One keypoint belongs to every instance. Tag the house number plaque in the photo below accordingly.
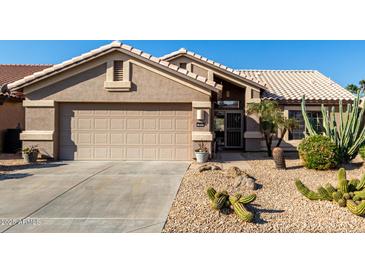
(200, 124)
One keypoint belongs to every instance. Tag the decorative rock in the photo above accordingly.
(233, 171)
(208, 168)
(245, 182)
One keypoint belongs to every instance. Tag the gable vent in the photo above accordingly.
(118, 71)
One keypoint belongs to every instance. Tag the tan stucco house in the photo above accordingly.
(119, 103)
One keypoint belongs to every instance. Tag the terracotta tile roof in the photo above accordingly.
(293, 84)
(12, 72)
(228, 70)
(104, 49)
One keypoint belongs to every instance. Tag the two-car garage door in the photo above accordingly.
(97, 131)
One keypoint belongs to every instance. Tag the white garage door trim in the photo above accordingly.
(123, 131)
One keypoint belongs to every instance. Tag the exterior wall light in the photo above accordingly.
(200, 115)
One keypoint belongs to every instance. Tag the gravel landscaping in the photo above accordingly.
(14, 162)
(279, 207)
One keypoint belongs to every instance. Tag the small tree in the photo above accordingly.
(271, 121)
(355, 89)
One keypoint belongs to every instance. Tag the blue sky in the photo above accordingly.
(342, 61)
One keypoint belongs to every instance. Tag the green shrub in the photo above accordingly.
(318, 152)
(362, 152)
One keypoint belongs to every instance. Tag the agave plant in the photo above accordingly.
(349, 135)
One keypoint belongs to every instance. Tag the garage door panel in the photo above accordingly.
(101, 139)
(133, 123)
(117, 123)
(166, 124)
(84, 124)
(149, 154)
(101, 123)
(125, 131)
(133, 153)
(117, 138)
(150, 124)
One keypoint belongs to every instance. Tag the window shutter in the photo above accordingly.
(118, 71)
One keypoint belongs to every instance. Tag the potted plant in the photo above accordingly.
(30, 154)
(201, 153)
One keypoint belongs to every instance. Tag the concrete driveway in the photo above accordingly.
(89, 197)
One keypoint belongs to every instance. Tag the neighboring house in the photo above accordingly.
(11, 109)
(119, 103)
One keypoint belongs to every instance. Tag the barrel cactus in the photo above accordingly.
(279, 159)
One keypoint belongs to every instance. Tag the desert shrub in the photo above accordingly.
(318, 152)
(362, 152)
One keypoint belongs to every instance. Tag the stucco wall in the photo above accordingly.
(147, 86)
(85, 83)
(11, 114)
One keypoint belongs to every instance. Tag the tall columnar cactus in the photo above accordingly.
(240, 209)
(341, 174)
(349, 135)
(343, 186)
(356, 209)
(311, 195)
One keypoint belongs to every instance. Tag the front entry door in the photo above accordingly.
(233, 129)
